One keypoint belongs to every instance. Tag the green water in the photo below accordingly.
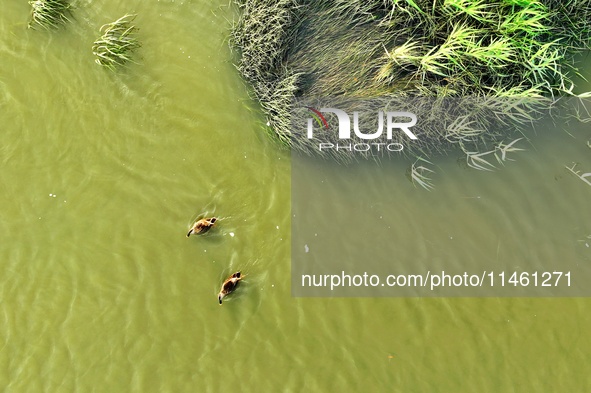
(100, 290)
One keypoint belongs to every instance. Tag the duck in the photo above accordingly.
(201, 226)
(229, 285)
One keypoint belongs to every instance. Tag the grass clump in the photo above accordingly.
(49, 13)
(116, 43)
(263, 34)
(508, 56)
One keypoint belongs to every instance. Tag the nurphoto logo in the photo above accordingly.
(394, 121)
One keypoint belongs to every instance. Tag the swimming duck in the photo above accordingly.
(229, 285)
(202, 226)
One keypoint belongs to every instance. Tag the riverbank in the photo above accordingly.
(509, 56)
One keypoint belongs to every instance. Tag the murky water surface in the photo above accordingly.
(101, 291)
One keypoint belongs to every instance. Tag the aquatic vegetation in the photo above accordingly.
(49, 13)
(418, 174)
(116, 43)
(263, 34)
(586, 177)
(508, 56)
(501, 150)
(477, 160)
(201, 226)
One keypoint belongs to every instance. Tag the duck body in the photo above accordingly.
(201, 226)
(229, 285)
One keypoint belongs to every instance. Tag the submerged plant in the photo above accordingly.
(49, 13)
(480, 160)
(586, 177)
(419, 174)
(476, 160)
(501, 150)
(116, 43)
